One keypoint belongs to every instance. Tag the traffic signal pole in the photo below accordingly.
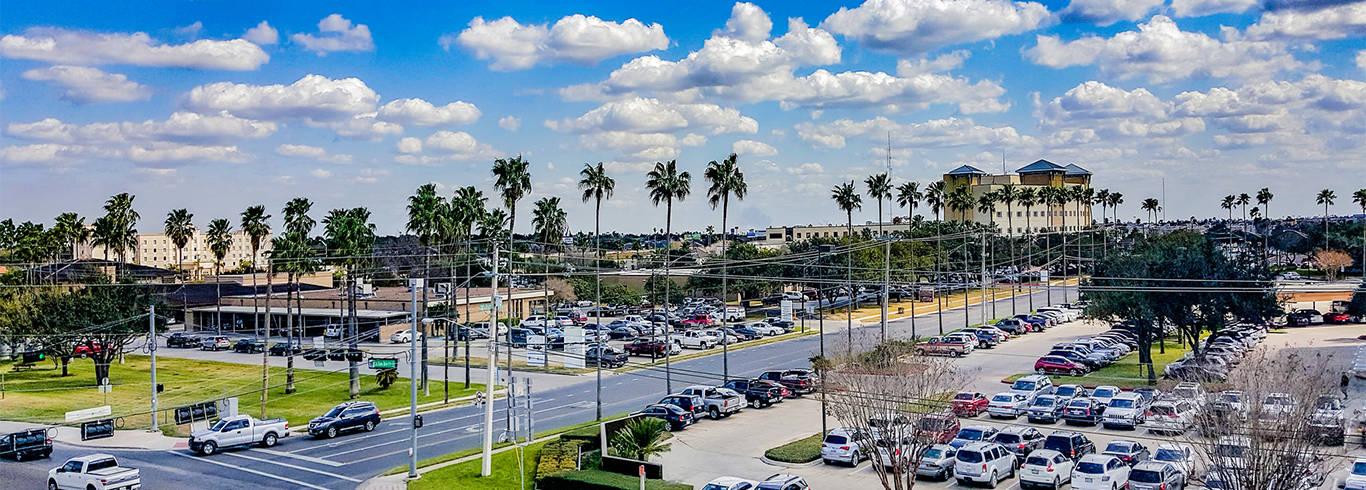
(152, 349)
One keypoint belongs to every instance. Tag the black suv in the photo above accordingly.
(677, 418)
(757, 395)
(285, 349)
(346, 417)
(248, 346)
(1071, 444)
(182, 340)
(1019, 440)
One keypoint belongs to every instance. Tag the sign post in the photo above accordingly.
(98, 429)
(535, 350)
(786, 309)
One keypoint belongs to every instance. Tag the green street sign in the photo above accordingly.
(381, 364)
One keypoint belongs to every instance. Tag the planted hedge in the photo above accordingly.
(602, 480)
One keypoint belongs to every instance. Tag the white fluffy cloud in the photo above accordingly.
(362, 126)
(446, 146)
(747, 22)
(262, 34)
(1331, 23)
(86, 85)
(319, 173)
(751, 147)
(410, 145)
(938, 133)
(419, 112)
(1162, 52)
(913, 27)
(1197, 8)
(61, 46)
(643, 115)
(313, 97)
(52, 154)
(160, 154)
(180, 128)
(336, 33)
(575, 39)
(1095, 108)
(313, 152)
(510, 123)
(1107, 12)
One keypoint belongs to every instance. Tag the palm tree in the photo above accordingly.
(494, 224)
(1264, 198)
(256, 227)
(219, 239)
(936, 198)
(1326, 198)
(1243, 200)
(465, 211)
(121, 218)
(103, 235)
(1083, 196)
(513, 182)
(597, 185)
(1103, 199)
(1115, 200)
(350, 236)
(298, 260)
(1028, 197)
(549, 221)
(179, 228)
(424, 208)
(70, 230)
(667, 184)
(1008, 194)
(961, 200)
(726, 180)
(1359, 197)
(847, 199)
(1151, 206)
(1228, 203)
(879, 187)
(641, 438)
(908, 195)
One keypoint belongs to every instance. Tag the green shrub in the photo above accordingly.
(602, 480)
(592, 460)
(557, 456)
(800, 451)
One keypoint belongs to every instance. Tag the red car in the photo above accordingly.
(938, 428)
(1058, 365)
(1337, 318)
(699, 321)
(83, 350)
(969, 403)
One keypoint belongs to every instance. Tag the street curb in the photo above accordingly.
(789, 465)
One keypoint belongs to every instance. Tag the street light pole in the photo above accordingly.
(152, 349)
(486, 466)
(415, 285)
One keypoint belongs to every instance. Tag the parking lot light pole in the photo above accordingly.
(486, 465)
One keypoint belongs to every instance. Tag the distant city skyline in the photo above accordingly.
(215, 106)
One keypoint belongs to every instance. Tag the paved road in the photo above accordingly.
(301, 462)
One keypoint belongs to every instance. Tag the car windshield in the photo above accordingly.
(1146, 476)
(1279, 400)
(1066, 391)
(1103, 393)
(963, 396)
(1117, 447)
(934, 454)
(933, 424)
(1170, 455)
(335, 411)
(1007, 438)
(1185, 392)
(1359, 468)
(1163, 410)
(970, 434)
(834, 439)
(969, 456)
(1121, 403)
(1229, 451)
(713, 486)
(1231, 397)
(1043, 402)
(1023, 386)
(1003, 398)
(1090, 468)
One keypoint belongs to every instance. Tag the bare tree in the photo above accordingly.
(895, 400)
(1331, 262)
(1273, 436)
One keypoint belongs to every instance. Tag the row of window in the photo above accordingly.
(1040, 214)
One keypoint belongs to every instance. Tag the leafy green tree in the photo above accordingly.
(641, 438)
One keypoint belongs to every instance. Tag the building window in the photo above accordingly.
(998, 214)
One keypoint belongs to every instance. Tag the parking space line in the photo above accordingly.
(333, 464)
(249, 470)
(300, 468)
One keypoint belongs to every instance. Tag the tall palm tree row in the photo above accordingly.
(666, 184)
(879, 188)
(298, 259)
(1151, 206)
(1243, 200)
(69, 229)
(1114, 201)
(726, 180)
(550, 221)
(936, 198)
(424, 212)
(350, 238)
(120, 219)
(179, 228)
(597, 186)
(1264, 198)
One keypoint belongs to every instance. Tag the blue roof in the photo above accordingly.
(967, 170)
(1073, 169)
(1041, 166)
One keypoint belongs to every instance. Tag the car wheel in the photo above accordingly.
(756, 404)
(920, 352)
(669, 427)
(331, 432)
(52, 485)
(1056, 483)
(209, 448)
(269, 440)
(955, 353)
(1074, 373)
(994, 480)
(369, 425)
(948, 473)
(854, 460)
(1041, 371)
(715, 414)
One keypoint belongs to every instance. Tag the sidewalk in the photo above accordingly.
(122, 439)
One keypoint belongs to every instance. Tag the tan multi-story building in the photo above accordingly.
(158, 250)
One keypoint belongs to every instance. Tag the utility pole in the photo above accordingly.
(887, 253)
(152, 348)
(415, 285)
(984, 281)
(265, 351)
(486, 466)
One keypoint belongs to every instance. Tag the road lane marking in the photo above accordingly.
(249, 470)
(300, 468)
(333, 464)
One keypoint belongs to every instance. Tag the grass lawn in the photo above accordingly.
(1126, 373)
(465, 476)
(458, 362)
(799, 451)
(42, 395)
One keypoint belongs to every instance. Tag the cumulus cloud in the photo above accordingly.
(751, 147)
(171, 154)
(1198, 8)
(313, 97)
(336, 33)
(806, 169)
(1162, 52)
(190, 31)
(52, 154)
(938, 133)
(445, 146)
(747, 22)
(370, 175)
(510, 123)
(1361, 59)
(575, 39)
(319, 173)
(262, 34)
(419, 112)
(1331, 23)
(1113, 112)
(181, 128)
(362, 126)
(410, 145)
(60, 46)
(913, 27)
(643, 115)
(313, 152)
(85, 85)
(1107, 12)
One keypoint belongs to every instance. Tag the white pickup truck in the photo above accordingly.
(720, 402)
(695, 339)
(96, 471)
(241, 430)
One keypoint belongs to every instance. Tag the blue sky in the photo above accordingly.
(201, 105)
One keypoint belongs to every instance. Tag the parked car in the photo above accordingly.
(939, 428)
(26, 444)
(1071, 444)
(987, 337)
(1046, 409)
(248, 346)
(1130, 452)
(604, 355)
(719, 402)
(677, 418)
(1032, 385)
(1337, 318)
(938, 462)
(844, 446)
(216, 343)
(1181, 456)
(1314, 317)
(182, 340)
(1045, 468)
(1086, 411)
(783, 482)
(969, 403)
(285, 349)
(798, 381)
(1071, 391)
(757, 395)
(404, 336)
(943, 346)
(1156, 475)
(1013, 326)
(652, 348)
(240, 430)
(1059, 365)
(691, 403)
(1103, 394)
(346, 417)
(695, 339)
(1356, 477)
(1170, 416)
(1020, 440)
(1007, 405)
(730, 483)
(984, 462)
(1126, 410)
(1100, 472)
(973, 433)
(93, 472)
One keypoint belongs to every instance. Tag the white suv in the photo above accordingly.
(1100, 472)
(1033, 385)
(843, 446)
(1045, 468)
(983, 462)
